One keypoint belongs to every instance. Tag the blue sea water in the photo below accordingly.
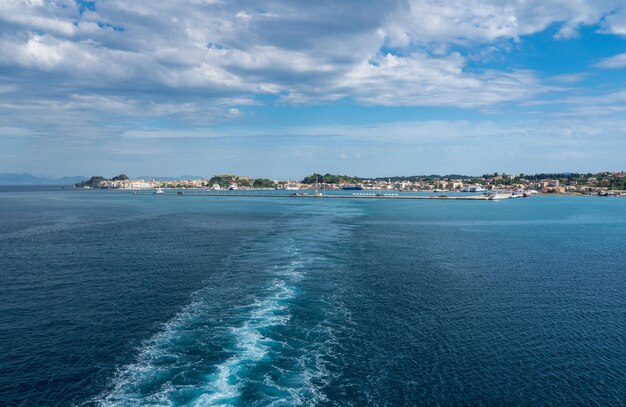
(113, 299)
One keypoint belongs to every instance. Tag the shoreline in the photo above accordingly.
(342, 196)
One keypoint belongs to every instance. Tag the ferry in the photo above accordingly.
(473, 189)
(352, 188)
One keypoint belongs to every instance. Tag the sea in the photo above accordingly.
(113, 299)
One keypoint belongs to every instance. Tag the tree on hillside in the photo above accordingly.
(243, 182)
(330, 179)
(263, 183)
(93, 182)
(121, 177)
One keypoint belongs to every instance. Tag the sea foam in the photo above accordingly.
(247, 341)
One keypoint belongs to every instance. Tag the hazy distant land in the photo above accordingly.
(29, 179)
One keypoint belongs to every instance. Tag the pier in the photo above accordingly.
(332, 196)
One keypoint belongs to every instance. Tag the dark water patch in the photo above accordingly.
(497, 315)
(116, 299)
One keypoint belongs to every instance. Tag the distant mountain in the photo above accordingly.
(29, 179)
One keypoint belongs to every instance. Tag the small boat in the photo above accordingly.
(159, 191)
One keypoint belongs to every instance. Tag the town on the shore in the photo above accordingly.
(603, 184)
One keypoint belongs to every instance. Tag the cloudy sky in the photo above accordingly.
(282, 89)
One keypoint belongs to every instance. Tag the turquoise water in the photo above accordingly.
(107, 298)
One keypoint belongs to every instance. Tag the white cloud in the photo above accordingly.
(95, 74)
(591, 106)
(614, 62)
(615, 22)
(77, 60)
(569, 78)
(420, 80)
(243, 15)
(54, 17)
(463, 21)
(234, 50)
(424, 132)
(7, 131)
(8, 88)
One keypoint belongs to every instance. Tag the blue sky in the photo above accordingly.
(369, 88)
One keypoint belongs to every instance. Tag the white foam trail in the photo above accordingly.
(146, 369)
(251, 346)
(152, 379)
(223, 387)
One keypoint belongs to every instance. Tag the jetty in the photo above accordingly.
(304, 195)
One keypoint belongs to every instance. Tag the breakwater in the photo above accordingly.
(332, 196)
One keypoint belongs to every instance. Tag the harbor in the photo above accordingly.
(314, 195)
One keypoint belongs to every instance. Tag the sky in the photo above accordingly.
(281, 89)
